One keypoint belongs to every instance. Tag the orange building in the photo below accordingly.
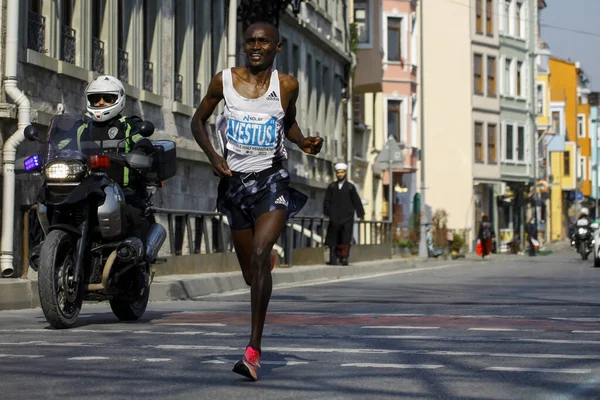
(570, 110)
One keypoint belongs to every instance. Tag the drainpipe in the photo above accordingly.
(232, 33)
(10, 147)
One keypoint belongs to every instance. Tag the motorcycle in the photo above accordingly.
(87, 253)
(584, 240)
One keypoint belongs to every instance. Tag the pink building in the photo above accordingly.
(385, 101)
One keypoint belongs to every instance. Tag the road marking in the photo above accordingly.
(494, 329)
(157, 359)
(552, 370)
(263, 362)
(90, 358)
(191, 324)
(398, 366)
(585, 331)
(20, 356)
(59, 344)
(384, 351)
(400, 327)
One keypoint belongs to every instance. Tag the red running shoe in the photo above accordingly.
(249, 365)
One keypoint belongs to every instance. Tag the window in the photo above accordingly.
(477, 74)
(179, 68)
(394, 108)
(489, 17)
(556, 121)
(491, 143)
(491, 76)
(361, 18)
(509, 155)
(97, 49)
(567, 163)
(581, 131)
(478, 142)
(507, 77)
(394, 39)
(521, 143)
(505, 13)
(283, 57)
(295, 60)
(581, 170)
(539, 98)
(67, 37)
(519, 79)
(517, 23)
(479, 16)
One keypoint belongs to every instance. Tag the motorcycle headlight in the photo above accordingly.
(582, 231)
(64, 171)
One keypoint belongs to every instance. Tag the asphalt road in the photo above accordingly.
(513, 327)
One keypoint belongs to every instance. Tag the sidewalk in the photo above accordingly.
(22, 293)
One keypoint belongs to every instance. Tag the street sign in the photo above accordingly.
(391, 150)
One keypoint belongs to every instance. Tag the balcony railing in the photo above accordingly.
(68, 44)
(197, 94)
(178, 88)
(98, 55)
(36, 32)
(123, 66)
(148, 76)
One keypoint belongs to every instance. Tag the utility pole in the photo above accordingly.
(423, 253)
(390, 183)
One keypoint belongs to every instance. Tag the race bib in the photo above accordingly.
(252, 134)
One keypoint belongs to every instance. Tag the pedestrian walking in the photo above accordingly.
(341, 203)
(485, 236)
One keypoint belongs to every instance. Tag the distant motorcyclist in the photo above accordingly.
(582, 221)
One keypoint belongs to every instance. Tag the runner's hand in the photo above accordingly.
(311, 145)
(220, 167)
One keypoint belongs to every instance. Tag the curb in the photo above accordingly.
(16, 294)
(189, 287)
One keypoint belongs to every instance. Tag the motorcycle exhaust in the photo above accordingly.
(130, 250)
(154, 241)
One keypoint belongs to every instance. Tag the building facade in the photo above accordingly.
(485, 106)
(448, 119)
(166, 52)
(517, 23)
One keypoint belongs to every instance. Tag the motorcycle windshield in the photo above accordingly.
(67, 139)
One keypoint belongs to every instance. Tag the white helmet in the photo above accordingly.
(105, 85)
(585, 211)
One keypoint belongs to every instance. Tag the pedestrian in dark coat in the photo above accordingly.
(341, 203)
(485, 236)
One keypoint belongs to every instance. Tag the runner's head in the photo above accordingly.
(261, 45)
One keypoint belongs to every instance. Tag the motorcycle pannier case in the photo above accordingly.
(163, 166)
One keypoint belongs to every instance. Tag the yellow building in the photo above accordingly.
(568, 122)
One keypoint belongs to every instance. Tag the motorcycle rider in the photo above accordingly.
(104, 129)
(582, 220)
(105, 100)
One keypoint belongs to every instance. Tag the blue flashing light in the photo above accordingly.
(32, 163)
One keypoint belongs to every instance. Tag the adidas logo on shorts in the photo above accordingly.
(273, 96)
(281, 200)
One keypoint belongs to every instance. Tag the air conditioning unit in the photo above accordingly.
(502, 189)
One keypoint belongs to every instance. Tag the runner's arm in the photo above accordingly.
(207, 106)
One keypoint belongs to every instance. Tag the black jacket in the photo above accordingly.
(341, 204)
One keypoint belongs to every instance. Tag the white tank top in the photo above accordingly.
(251, 130)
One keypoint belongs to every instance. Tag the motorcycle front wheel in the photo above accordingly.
(583, 250)
(131, 307)
(60, 297)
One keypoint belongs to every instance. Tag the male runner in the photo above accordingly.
(254, 192)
